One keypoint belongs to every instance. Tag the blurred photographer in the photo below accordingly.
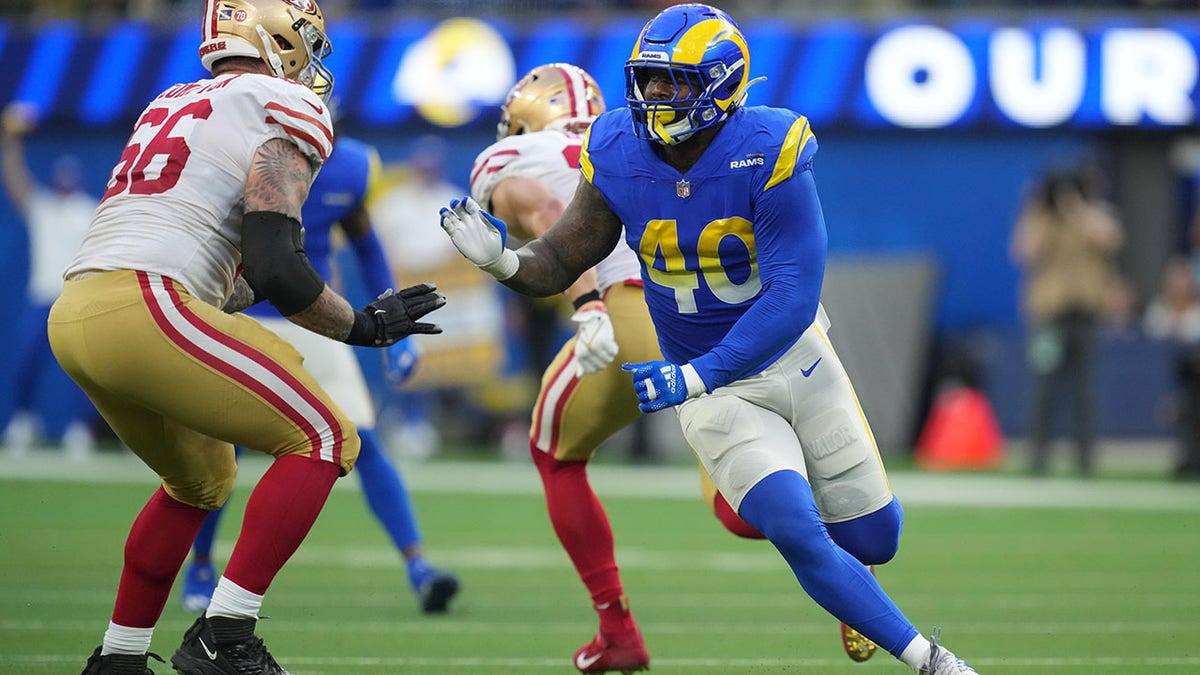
(1065, 242)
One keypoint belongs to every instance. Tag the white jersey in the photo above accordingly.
(552, 158)
(174, 200)
(57, 223)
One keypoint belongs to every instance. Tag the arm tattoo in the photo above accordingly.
(280, 176)
(330, 315)
(586, 232)
(241, 298)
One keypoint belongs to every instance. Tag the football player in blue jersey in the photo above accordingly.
(719, 201)
(338, 197)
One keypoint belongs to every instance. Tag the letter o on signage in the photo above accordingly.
(920, 77)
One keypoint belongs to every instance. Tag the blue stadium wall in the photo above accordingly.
(938, 170)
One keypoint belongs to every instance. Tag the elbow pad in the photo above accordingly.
(274, 263)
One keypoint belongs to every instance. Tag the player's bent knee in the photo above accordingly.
(781, 507)
(731, 520)
(874, 538)
(338, 443)
(209, 494)
(351, 446)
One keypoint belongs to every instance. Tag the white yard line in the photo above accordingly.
(913, 487)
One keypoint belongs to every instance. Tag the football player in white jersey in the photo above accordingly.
(201, 213)
(526, 178)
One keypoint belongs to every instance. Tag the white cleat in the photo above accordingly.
(942, 661)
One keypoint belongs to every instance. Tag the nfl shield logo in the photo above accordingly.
(683, 189)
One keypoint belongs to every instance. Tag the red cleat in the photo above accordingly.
(605, 653)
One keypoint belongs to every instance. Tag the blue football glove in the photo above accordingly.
(400, 362)
(661, 384)
(480, 237)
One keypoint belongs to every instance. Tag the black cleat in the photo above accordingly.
(118, 664)
(437, 591)
(201, 655)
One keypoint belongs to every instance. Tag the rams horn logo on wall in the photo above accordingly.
(306, 6)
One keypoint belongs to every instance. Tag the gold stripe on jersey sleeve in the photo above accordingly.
(585, 159)
(793, 145)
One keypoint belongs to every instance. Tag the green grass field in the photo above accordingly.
(1102, 578)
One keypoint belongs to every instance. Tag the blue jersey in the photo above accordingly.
(733, 251)
(339, 188)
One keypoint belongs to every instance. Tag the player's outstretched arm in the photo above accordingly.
(401, 358)
(586, 232)
(16, 120)
(275, 267)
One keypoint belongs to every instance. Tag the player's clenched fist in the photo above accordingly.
(480, 237)
(595, 344)
(662, 384)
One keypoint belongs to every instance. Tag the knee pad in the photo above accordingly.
(872, 539)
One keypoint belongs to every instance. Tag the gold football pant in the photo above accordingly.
(575, 414)
(181, 382)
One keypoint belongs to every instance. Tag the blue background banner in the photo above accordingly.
(901, 74)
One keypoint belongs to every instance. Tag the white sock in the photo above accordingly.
(126, 640)
(916, 654)
(234, 601)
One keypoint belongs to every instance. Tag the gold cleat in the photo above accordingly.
(857, 646)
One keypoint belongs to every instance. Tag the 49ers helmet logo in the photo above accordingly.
(306, 6)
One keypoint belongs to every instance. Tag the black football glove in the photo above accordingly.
(394, 316)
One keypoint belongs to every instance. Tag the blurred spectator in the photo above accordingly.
(1065, 242)
(406, 219)
(57, 217)
(1175, 315)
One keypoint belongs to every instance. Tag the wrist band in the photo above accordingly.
(591, 296)
(503, 267)
(362, 333)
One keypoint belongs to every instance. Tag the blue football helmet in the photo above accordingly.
(702, 52)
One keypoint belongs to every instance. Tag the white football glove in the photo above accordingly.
(480, 237)
(595, 346)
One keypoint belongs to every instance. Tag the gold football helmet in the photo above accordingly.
(288, 35)
(551, 96)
